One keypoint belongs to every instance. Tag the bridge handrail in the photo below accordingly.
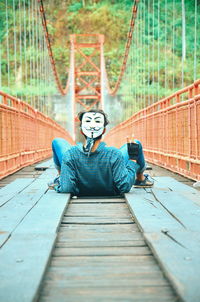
(193, 91)
(25, 134)
(16, 104)
(169, 131)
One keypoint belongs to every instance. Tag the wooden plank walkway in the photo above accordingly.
(169, 217)
(101, 255)
(101, 252)
(28, 230)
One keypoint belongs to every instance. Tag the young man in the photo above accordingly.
(92, 168)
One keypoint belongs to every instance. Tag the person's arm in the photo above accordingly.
(68, 178)
(123, 174)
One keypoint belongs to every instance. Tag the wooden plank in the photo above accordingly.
(23, 263)
(174, 184)
(46, 214)
(104, 251)
(170, 223)
(149, 213)
(98, 235)
(14, 188)
(99, 243)
(14, 211)
(91, 281)
(96, 220)
(28, 249)
(45, 165)
(102, 228)
(181, 188)
(100, 248)
(97, 200)
(180, 260)
(183, 210)
(115, 293)
(135, 260)
(98, 210)
(74, 263)
(48, 174)
(98, 207)
(104, 273)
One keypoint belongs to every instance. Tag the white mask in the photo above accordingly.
(92, 124)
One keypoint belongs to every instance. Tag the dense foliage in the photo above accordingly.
(112, 19)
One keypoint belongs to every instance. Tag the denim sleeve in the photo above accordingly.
(68, 178)
(123, 174)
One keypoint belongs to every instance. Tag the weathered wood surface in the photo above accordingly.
(13, 189)
(178, 187)
(16, 209)
(22, 265)
(169, 217)
(28, 225)
(27, 172)
(100, 255)
(45, 165)
(180, 262)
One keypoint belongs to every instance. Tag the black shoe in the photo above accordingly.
(146, 183)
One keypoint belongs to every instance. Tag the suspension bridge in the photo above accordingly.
(143, 246)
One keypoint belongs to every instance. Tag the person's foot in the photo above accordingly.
(53, 183)
(145, 183)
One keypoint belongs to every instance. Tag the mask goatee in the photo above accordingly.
(89, 144)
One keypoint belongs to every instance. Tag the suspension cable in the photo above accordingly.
(48, 42)
(127, 47)
(15, 41)
(40, 69)
(173, 43)
(183, 40)
(139, 56)
(137, 63)
(153, 54)
(195, 41)
(144, 55)
(30, 50)
(158, 52)
(33, 60)
(165, 46)
(148, 3)
(20, 49)
(25, 56)
(7, 43)
(134, 77)
(37, 49)
(0, 71)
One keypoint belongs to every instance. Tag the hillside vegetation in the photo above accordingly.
(111, 18)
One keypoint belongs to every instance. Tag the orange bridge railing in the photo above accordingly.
(25, 135)
(169, 131)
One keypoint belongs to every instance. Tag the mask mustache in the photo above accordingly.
(93, 128)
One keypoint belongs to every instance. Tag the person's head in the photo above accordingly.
(93, 123)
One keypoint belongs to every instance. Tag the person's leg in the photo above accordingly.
(140, 160)
(59, 147)
(140, 166)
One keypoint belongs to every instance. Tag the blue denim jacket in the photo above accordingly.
(103, 173)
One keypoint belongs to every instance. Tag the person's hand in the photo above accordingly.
(133, 148)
